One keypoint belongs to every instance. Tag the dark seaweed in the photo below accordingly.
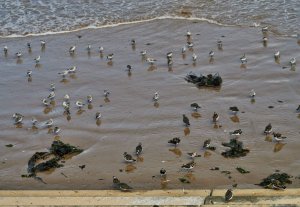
(58, 148)
(208, 81)
(276, 181)
(242, 171)
(236, 149)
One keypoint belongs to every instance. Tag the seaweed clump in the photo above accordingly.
(236, 149)
(204, 81)
(45, 161)
(276, 181)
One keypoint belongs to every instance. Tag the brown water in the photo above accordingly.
(131, 117)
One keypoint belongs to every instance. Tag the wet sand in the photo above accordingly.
(131, 117)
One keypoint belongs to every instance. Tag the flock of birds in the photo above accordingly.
(47, 101)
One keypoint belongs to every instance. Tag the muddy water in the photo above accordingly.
(130, 116)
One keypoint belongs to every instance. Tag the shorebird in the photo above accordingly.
(72, 69)
(49, 123)
(101, 49)
(215, 117)
(133, 42)
(89, 99)
(228, 195)
(169, 55)
(66, 105)
(19, 54)
(56, 130)
(29, 73)
(243, 59)
(234, 109)
(211, 54)
(143, 53)
(252, 93)
(170, 62)
(88, 48)
(189, 45)
(110, 57)
(128, 157)
(188, 166)
(45, 102)
(175, 141)
(195, 106)
(278, 137)
(206, 144)
(293, 61)
(151, 61)
(37, 59)
(67, 98)
(138, 149)
(163, 172)
(106, 93)
(185, 120)
(63, 74)
(194, 57)
(121, 186)
(220, 44)
(277, 55)
(51, 95)
(156, 96)
(28, 45)
(188, 34)
(298, 109)
(18, 119)
(129, 68)
(265, 29)
(15, 115)
(237, 132)
(183, 49)
(34, 121)
(268, 129)
(72, 49)
(264, 39)
(43, 43)
(193, 154)
(79, 104)
(5, 50)
(52, 86)
(98, 116)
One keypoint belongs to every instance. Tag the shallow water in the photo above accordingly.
(40, 16)
(130, 116)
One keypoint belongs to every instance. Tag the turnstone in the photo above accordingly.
(188, 34)
(268, 129)
(228, 195)
(278, 137)
(194, 57)
(143, 53)
(265, 29)
(293, 61)
(129, 68)
(190, 45)
(170, 62)
(52, 86)
(66, 105)
(120, 186)
(110, 57)
(79, 104)
(169, 55)
(5, 50)
(211, 54)
(220, 44)
(252, 93)
(18, 119)
(133, 42)
(206, 145)
(183, 49)
(29, 73)
(234, 109)
(151, 61)
(28, 45)
(193, 154)
(98, 116)
(156, 96)
(264, 39)
(72, 49)
(45, 102)
(89, 99)
(175, 141)
(138, 149)
(72, 69)
(106, 93)
(185, 120)
(37, 59)
(56, 130)
(63, 73)
(15, 115)
(195, 106)
(243, 59)
(277, 55)
(128, 157)
(298, 109)
(51, 95)
(215, 117)
(34, 121)
(67, 98)
(188, 166)
(19, 54)
(163, 172)
(89, 47)
(43, 43)
(101, 49)
(237, 132)
(49, 123)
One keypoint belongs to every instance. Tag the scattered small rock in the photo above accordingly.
(9, 145)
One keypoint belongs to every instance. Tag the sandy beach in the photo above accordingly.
(130, 117)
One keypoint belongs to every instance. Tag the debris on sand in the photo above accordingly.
(236, 149)
(204, 81)
(241, 170)
(276, 181)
